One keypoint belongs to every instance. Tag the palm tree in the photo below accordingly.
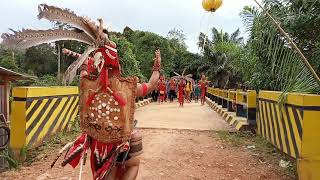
(215, 63)
(220, 36)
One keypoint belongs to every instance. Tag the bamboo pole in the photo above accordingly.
(59, 62)
(304, 59)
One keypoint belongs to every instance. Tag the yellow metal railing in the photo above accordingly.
(39, 112)
(243, 103)
(292, 127)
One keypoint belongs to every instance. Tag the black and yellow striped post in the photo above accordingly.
(251, 107)
(241, 101)
(293, 128)
(231, 98)
(39, 112)
(224, 98)
(210, 94)
(219, 97)
(215, 95)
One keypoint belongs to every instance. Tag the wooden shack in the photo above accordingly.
(6, 77)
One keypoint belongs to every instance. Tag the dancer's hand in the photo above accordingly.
(157, 59)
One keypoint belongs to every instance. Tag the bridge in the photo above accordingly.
(182, 142)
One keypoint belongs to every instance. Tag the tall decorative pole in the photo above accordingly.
(304, 59)
(59, 60)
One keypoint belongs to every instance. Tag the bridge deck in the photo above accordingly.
(171, 116)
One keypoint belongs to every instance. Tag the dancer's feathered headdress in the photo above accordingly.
(182, 76)
(84, 30)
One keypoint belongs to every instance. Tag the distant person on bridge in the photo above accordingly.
(172, 86)
(181, 92)
(162, 89)
(188, 91)
(197, 92)
(167, 96)
(155, 95)
(203, 83)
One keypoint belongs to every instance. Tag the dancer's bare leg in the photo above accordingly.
(132, 169)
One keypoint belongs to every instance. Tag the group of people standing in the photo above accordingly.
(181, 89)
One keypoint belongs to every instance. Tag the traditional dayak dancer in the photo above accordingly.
(182, 78)
(107, 100)
(181, 92)
(162, 89)
(203, 83)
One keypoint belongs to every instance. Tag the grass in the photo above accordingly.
(33, 154)
(7, 155)
(264, 149)
(56, 141)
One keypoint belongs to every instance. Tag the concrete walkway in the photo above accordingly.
(170, 116)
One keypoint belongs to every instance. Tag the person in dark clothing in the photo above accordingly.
(172, 87)
(155, 95)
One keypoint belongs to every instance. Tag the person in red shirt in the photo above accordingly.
(203, 83)
(162, 89)
(181, 91)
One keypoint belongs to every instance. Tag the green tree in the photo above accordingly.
(10, 59)
(41, 60)
(221, 54)
(9, 63)
(128, 61)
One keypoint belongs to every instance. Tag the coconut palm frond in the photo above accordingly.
(248, 15)
(292, 75)
(234, 36)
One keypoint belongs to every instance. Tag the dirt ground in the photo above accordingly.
(175, 154)
(172, 154)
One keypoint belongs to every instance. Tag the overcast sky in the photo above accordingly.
(158, 16)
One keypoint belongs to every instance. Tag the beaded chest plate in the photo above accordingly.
(104, 119)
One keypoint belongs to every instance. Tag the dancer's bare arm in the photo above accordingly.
(146, 88)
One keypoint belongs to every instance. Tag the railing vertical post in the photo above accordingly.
(251, 107)
(219, 97)
(230, 100)
(237, 102)
(224, 99)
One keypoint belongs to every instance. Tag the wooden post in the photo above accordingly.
(59, 61)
